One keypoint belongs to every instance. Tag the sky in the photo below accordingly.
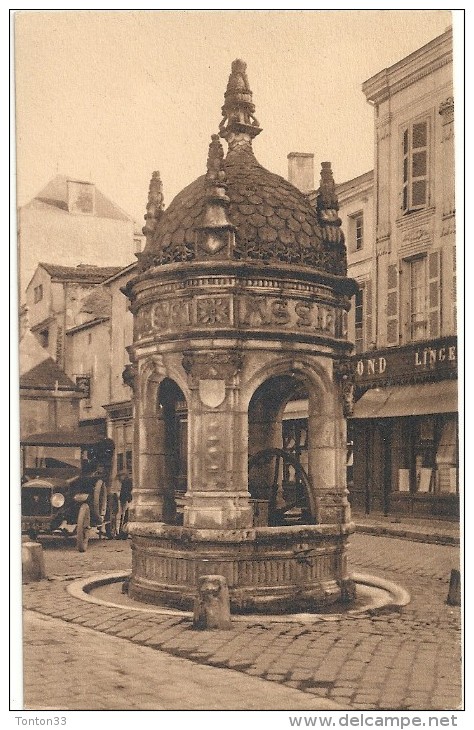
(110, 96)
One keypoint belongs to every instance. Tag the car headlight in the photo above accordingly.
(57, 500)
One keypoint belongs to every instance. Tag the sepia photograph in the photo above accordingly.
(239, 443)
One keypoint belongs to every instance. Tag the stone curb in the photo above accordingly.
(399, 597)
(407, 534)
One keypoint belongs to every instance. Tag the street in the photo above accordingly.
(79, 655)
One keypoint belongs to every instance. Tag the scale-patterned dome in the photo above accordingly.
(271, 220)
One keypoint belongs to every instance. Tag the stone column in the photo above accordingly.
(149, 442)
(327, 455)
(217, 496)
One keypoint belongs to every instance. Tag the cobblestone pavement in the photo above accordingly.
(85, 668)
(408, 660)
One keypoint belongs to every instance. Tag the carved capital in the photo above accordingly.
(344, 376)
(446, 109)
(129, 375)
(153, 366)
(212, 365)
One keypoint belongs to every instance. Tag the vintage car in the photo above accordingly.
(64, 484)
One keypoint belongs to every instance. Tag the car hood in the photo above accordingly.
(50, 483)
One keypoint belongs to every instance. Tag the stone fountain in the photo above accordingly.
(240, 306)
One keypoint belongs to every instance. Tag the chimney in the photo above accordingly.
(301, 170)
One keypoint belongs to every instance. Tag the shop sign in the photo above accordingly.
(436, 356)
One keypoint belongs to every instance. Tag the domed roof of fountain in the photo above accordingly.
(272, 220)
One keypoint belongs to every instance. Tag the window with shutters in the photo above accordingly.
(415, 164)
(359, 320)
(418, 313)
(362, 308)
(422, 293)
(392, 305)
(356, 232)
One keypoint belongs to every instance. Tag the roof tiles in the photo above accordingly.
(273, 221)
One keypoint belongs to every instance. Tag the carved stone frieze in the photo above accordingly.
(213, 310)
(414, 235)
(295, 314)
(212, 365)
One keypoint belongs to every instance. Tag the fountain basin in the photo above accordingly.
(284, 569)
(374, 595)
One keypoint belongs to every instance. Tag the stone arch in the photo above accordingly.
(151, 374)
(158, 473)
(322, 383)
(326, 447)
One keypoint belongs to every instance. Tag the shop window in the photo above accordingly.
(356, 232)
(123, 438)
(415, 166)
(427, 460)
(447, 457)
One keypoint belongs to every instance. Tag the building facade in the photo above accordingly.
(118, 406)
(59, 298)
(79, 223)
(405, 419)
(356, 211)
(49, 400)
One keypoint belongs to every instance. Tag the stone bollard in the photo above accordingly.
(454, 592)
(32, 562)
(212, 604)
(348, 590)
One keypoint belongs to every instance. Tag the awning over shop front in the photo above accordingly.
(408, 400)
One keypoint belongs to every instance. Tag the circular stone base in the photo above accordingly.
(374, 595)
(268, 570)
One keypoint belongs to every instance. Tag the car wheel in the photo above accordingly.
(83, 525)
(99, 501)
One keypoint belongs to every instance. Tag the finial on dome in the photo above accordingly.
(215, 231)
(327, 197)
(239, 124)
(155, 205)
(327, 205)
(215, 162)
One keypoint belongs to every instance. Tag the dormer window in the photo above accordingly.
(81, 197)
